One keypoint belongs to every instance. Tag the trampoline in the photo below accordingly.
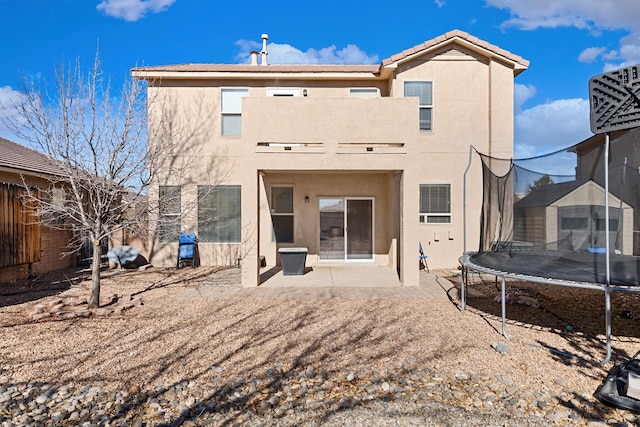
(571, 267)
(570, 218)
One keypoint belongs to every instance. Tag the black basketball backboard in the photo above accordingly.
(615, 100)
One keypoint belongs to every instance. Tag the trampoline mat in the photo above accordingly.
(560, 265)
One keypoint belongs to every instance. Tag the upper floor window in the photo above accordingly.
(435, 203)
(169, 200)
(424, 92)
(363, 92)
(283, 91)
(231, 108)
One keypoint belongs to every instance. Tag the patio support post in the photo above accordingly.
(249, 247)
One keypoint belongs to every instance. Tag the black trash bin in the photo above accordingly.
(293, 261)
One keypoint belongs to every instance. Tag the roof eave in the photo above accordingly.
(27, 172)
(228, 75)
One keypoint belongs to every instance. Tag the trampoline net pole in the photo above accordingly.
(463, 289)
(606, 210)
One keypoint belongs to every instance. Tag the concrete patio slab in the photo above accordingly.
(350, 276)
(341, 282)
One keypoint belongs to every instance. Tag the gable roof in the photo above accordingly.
(20, 159)
(334, 71)
(547, 194)
(456, 36)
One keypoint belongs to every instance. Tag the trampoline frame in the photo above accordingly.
(467, 264)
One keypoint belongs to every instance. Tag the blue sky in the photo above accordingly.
(567, 42)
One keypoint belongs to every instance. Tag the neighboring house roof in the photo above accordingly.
(459, 37)
(21, 159)
(548, 194)
(598, 140)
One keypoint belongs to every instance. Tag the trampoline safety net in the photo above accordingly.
(545, 216)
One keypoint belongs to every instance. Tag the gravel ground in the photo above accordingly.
(179, 361)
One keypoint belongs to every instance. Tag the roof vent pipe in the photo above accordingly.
(254, 57)
(265, 37)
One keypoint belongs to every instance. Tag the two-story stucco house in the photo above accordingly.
(356, 163)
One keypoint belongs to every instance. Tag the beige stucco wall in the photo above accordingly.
(472, 106)
(350, 147)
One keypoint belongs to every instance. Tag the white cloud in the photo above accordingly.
(592, 15)
(9, 99)
(590, 54)
(440, 3)
(551, 126)
(287, 54)
(132, 10)
(521, 94)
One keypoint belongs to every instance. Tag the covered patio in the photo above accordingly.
(332, 275)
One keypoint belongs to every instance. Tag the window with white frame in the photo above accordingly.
(283, 91)
(169, 200)
(282, 213)
(424, 92)
(435, 203)
(219, 214)
(363, 92)
(231, 109)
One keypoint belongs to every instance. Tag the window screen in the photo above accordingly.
(169, 200)
(219, 214)
(435, 203)
(231, 108)
(424, 92)
(282, 213)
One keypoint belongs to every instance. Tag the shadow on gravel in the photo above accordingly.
(40, 286)
(284, 355)
(576, 315)
(284, 396)
(174, 277)
(290, 352)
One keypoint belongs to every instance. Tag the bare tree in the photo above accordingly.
(97, 139)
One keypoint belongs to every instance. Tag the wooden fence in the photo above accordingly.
(19, 228)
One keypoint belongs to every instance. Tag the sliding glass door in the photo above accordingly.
(346, 229)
